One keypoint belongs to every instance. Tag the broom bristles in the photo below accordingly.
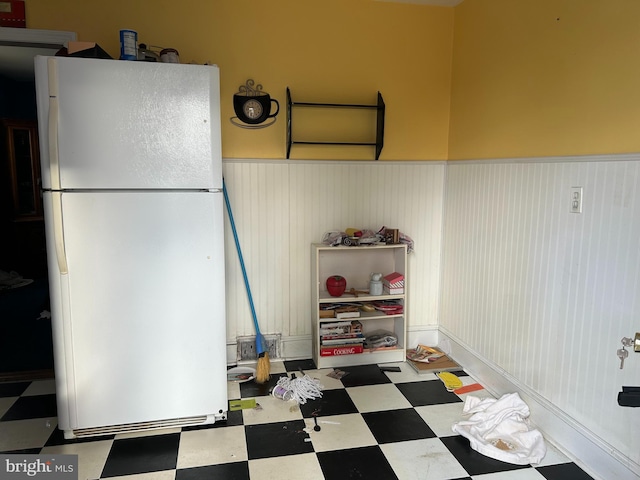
(263, 368)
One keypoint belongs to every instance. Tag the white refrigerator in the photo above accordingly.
(132, 189)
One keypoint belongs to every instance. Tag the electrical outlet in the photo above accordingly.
(576, 200)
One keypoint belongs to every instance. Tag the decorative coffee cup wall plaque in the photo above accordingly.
(253, 107)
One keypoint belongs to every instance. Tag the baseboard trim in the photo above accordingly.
(298, 347)
(293, 347)
(590, 452)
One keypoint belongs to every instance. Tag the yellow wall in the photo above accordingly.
(518, 78)
(341, 51)
(545, 77)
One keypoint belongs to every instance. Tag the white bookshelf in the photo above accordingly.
(356, 264)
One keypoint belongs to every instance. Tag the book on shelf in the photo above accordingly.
(340, 328)
(336, 350)
(392, 290)
(333, 336)
(347, 311)
(337, 310)
(342, 339)
(327, 313)
(344, 323)
(334, 331)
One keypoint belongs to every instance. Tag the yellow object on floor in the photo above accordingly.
(241, 404)
(450, 380)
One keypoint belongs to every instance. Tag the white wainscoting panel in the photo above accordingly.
(544, 294)
(282, 207)
(259, 199)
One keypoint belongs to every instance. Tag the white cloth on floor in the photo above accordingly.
(500, 429)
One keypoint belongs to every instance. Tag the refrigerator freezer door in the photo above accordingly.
(128, 125)
(140, 317)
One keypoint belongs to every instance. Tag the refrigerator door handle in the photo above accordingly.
(54, 165)
(58, 232)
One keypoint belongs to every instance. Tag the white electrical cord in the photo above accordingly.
(302, 388)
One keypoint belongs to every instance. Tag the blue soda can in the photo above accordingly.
(128, 45)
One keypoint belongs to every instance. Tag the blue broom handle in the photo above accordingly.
(259, 347)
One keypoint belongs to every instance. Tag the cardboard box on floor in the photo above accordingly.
(442, 364)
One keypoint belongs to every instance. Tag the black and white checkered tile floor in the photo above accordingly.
(374, 425)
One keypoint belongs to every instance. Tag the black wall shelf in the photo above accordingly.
(380, 107)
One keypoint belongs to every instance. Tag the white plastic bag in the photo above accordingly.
(500, 429)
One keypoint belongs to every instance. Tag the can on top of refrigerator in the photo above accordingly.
(128, 45)
(169, 55)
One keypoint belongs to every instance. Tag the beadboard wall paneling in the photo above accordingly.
(259, 199)
(282, 207)
(545, 294)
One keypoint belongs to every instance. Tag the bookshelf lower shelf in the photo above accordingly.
(383, 355)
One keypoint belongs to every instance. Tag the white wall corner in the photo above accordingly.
(422, 334)
(591, 453)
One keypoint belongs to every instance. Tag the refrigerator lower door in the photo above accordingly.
(139, 319)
